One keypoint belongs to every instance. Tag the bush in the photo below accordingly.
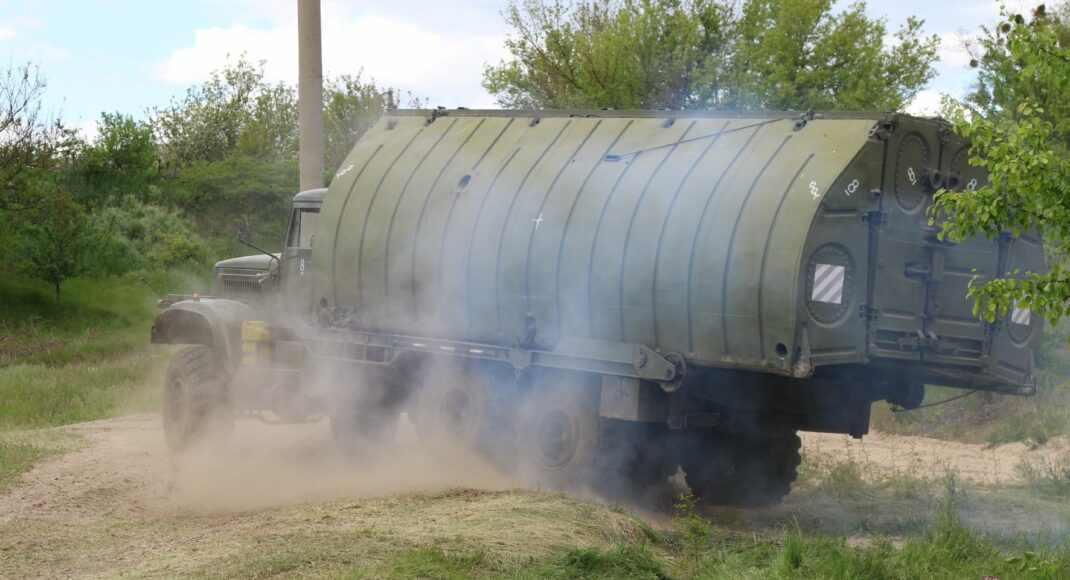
(176, 249)
(145, 236)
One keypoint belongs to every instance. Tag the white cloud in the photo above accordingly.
(442, 64)
(45, 53)
(925, 104)
(953, 49)
(214, 47)
(88, 129)
(7, 33)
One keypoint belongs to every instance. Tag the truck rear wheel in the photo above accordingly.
(455, 405)
(558, 432)
(196, 402)
(633, 462)
(743, 470)
(361, 432)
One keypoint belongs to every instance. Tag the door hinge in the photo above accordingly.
(868, 313)
(875, 217)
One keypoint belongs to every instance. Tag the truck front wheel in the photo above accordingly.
(364, 418)
(455, 405)
(196, 403)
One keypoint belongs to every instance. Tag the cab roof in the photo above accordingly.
(311, 196)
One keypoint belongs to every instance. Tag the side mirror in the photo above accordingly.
(245, 235)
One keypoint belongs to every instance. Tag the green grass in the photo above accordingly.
(37, 395)
(84, 358)
(1052, 477)
(97, 318)
(371, 547)
(16, 458)
(19, 450)
(996, 419)
(439, 563)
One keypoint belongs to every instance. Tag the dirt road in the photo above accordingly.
(121, 503)
(882, 454)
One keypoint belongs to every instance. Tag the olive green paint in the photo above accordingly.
(687, 232)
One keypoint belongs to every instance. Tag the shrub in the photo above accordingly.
(140, 235)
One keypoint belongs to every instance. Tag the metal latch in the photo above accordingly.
(918, 271)
(875, 217)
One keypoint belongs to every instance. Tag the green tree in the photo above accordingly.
(1017, 126)
(609, 53)
(237, 112)
(216, 194)
(57, 243)
(1000, 84)
(30, 141)
(235, 109)
(797, 54)
(706, 54)
(270, 129)
(122, 161)
(350, 107)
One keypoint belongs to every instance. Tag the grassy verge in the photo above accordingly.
(996, 419)
(519, 534)
(19, 450)
(1051, 477)
(37, 395)
(98, 318)
(84, 358)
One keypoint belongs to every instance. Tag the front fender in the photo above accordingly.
(212, 322)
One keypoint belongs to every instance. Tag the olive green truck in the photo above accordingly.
(609, 296)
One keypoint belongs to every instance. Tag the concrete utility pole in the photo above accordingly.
(310, 93)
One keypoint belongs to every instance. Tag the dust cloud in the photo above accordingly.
(267, 465)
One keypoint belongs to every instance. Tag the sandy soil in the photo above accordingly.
(883, 454)
(125, 469)
(122, 503)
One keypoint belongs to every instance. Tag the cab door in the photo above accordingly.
(297, 261)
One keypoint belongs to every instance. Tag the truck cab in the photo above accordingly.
(204, 386)
(258, 279)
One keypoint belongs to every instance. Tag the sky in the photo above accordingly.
(132, 55)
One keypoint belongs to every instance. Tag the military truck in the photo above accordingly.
(610, 296)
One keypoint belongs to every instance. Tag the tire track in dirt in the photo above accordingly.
(125, 469)
(158, 513)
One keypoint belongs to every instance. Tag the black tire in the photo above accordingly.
(363, 432)
(633, 465)
(558, 432)
(364, 416)
(196, 401)
(455, 405)
(743, 470)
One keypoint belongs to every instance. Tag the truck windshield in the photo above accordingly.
(303, 227)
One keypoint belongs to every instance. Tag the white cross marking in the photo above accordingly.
(538, 221)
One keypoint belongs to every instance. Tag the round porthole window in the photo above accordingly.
(1020, 324)
(829, 283)
(911, 165)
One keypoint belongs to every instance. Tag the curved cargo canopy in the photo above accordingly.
(741, 241)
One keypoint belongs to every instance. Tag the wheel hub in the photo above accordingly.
(176, 401)
(556, 439)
